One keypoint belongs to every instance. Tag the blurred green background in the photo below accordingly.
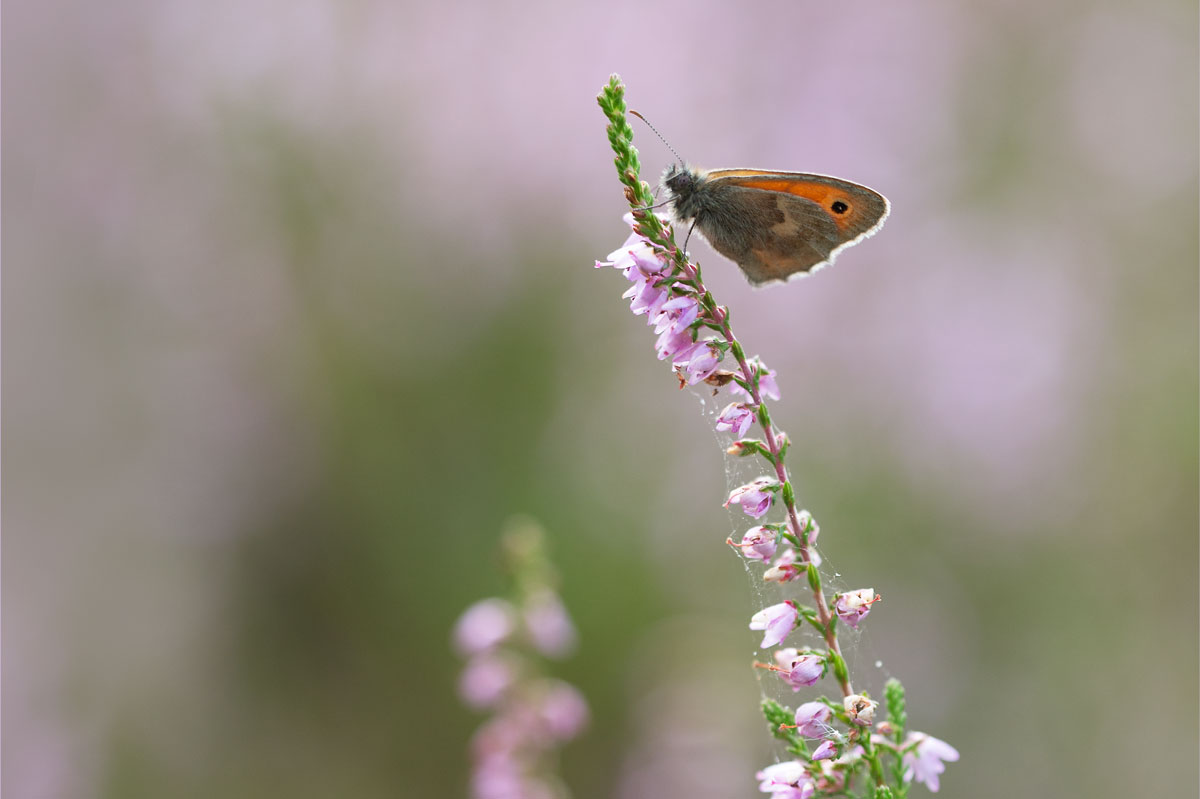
(300, 307)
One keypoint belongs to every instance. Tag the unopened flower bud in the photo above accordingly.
(826, 750)
(740, 449)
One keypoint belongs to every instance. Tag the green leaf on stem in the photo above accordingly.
(814, 578)
(778, 719)
(893, 693)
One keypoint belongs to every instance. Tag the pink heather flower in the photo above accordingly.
(784, 570)
(799, 670)
(548, 624)
(767, 386)
(925, 763)
(700, 361)
(787, 780)
(737, 416)
(789, 565)
(677, 314)
(777, 621)
(645, 265)
(853, 606)
(645, 295)
(826, 750)
(812, 719)
(562, 710)
(636, 251)
(758, 543)
(861, 709)
(753, 497)
(485, 680)
(672, 343)
(483, 625)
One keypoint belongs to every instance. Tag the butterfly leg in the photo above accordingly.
(689, 235)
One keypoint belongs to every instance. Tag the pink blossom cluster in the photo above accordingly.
(532, 714)
(923, 756)
(671, 306)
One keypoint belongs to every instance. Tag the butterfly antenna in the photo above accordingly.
(659, 135)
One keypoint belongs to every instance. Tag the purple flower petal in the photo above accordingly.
(777, 622)
(758, 543)
(853, 606)
(812, 719)
(736, 416)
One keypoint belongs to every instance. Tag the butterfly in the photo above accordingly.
(774, 225)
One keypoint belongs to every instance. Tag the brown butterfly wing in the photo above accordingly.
(855, 209)
(776, 225)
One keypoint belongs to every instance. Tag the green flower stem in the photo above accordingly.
(824, 616)
(871, 755)
(637, 192)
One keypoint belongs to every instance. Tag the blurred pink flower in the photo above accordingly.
(549, 627)
(927, 761)
(483, 625)
(562, 710)
(767, 387)
(787, 780)
(485, 680)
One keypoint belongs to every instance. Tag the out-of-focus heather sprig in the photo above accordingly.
(505, 642)
(854, 754)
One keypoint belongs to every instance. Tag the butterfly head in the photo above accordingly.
(682, 183)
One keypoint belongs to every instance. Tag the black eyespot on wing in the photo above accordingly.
(839, 207)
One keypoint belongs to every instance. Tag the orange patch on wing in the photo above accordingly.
(817, 192)
(820, 192)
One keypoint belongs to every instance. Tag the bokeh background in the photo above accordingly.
(299, 307)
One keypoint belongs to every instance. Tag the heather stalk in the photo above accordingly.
(668, 289)
(628, 163)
